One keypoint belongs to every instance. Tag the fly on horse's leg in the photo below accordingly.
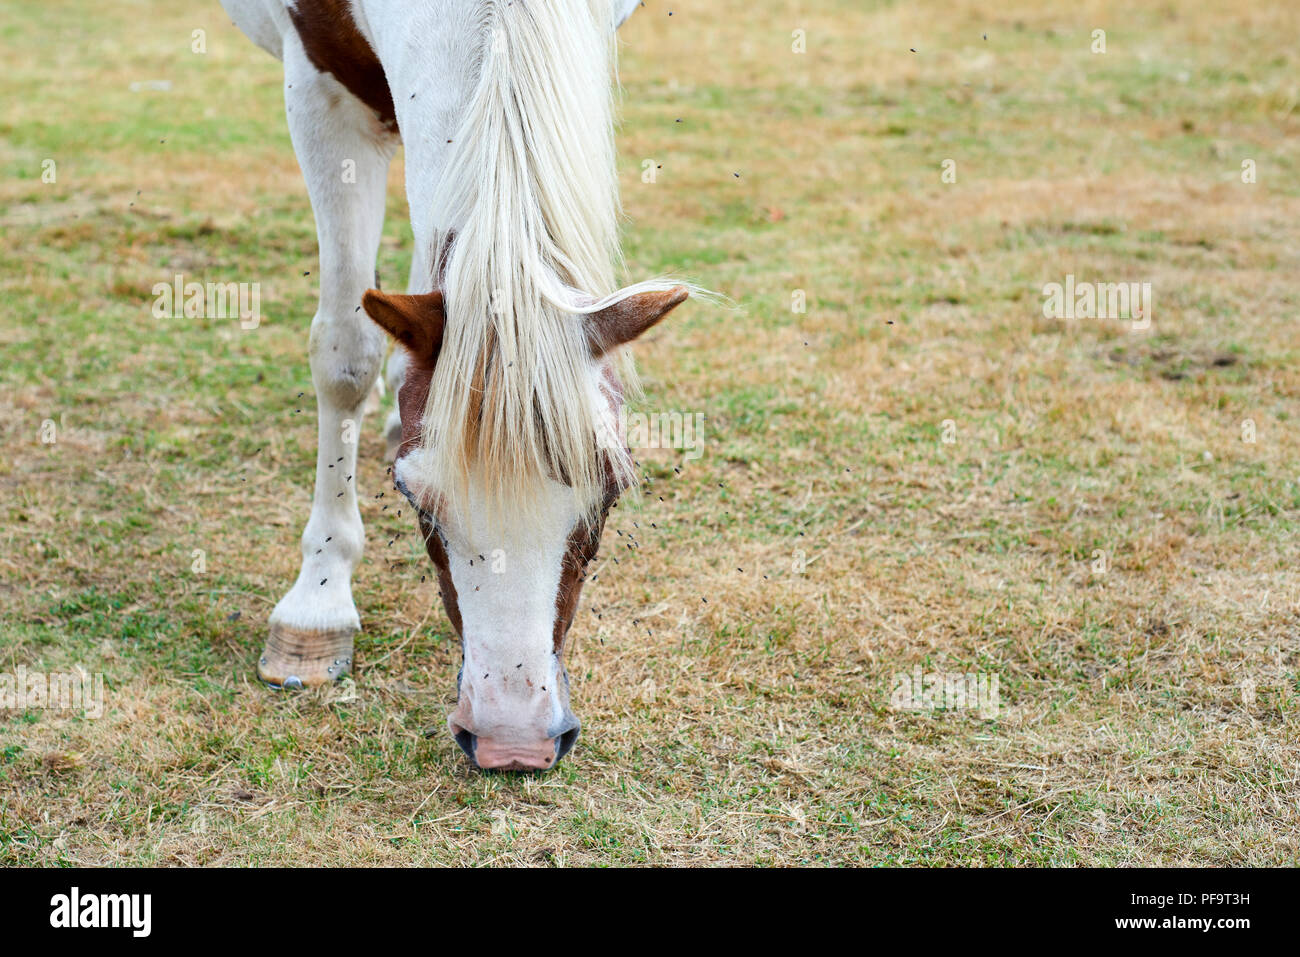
(344, 152)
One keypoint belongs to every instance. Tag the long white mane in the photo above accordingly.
(532, 195)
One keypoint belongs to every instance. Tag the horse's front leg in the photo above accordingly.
(344, 154)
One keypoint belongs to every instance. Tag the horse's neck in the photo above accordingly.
(428, 54)
(430, 51)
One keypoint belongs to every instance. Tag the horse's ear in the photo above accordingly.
(620, 323)
(414, 321)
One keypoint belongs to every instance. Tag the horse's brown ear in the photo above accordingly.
(414, 321)
(620, 323)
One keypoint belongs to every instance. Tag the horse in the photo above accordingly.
(509, 361)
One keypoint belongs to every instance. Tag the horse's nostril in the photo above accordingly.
(467, 742)
(564, 742)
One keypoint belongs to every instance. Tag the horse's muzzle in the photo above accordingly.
(504, 754)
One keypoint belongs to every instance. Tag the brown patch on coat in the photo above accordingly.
(438, 554)
(584, 542)
(335, 46)
(583, 545)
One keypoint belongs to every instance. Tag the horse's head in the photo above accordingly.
(510, 582)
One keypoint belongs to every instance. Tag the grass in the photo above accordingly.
(1096, 534)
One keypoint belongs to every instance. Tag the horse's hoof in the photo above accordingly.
(296, 658)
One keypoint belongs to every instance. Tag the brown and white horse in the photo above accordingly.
(505, 429)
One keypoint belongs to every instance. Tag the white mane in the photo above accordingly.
(531, 192)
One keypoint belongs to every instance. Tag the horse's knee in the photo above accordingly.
(346, 355)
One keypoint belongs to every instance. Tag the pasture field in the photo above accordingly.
(919, 473)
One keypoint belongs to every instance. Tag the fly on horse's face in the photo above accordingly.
(510, 593)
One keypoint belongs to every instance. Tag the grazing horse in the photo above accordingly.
(508, 342)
